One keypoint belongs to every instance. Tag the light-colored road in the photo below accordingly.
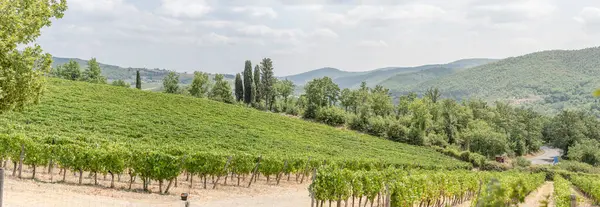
(547, 157)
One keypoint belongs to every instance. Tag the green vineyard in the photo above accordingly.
(589, 184)
(402, 187)
(103, 114)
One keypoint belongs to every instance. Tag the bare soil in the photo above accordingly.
(43, 192)
(535, 198)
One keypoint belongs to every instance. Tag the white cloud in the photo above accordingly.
(324, 33)
(256, 11)
(185, 8)
(373, 43)
(384, 15)
(511, 10)
(217, 35)
(589, 17)
(215, 39)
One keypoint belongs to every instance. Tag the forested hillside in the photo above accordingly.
(380, 76)
(548, 81)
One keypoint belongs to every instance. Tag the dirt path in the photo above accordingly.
(535, 198)
(547, 157)
(42, 193)
(585, 201)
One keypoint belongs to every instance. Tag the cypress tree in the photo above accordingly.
(267, 81)
(257, 84)
(249, 86)
(239, 88)
(138, 80)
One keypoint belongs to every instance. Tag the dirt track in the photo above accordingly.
(27, 192)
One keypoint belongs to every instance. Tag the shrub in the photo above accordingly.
(494, 166)
(357, 123)
(436, 140)
(397, 132)
(292, 110)
(521, 162)
(416, 136)
(377, 126)
(259, 105)
(310, 112)
(575, 166)
(333, 116)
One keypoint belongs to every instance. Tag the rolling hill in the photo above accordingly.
(152, 77)
(549, 81)
(79, 110)
(347, 79)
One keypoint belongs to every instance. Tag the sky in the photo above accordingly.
(217, 36)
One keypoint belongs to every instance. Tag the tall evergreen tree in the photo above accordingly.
(249, 86)
(239, 88)
(257, 84)
(267, 80)
(138, 80)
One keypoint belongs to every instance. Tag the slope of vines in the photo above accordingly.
(590, 185)
(401, 187)
(94, 113)
(562, 192)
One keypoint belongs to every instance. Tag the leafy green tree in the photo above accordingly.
(267, 80)
(320, 92)
(200, 85)
(565, 129)
(258, 84)
(171, 83)
(381, 101)
(138, 80)
(249, 86)
(22, 70)
(586, 151)
(348, 100)
(221, 91)
(93, 72)
(284, 89)
(481, 138)
(121, 83)
(69, 71)
(433, 94)
(239, 88)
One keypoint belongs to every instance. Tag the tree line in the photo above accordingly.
(92, 74)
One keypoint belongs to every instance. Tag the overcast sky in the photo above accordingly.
(217, 36)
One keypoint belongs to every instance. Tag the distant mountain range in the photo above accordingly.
(385, 76)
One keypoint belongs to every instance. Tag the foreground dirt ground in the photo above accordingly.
(42, 193)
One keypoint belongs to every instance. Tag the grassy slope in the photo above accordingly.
(78, 109)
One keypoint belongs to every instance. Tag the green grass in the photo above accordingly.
(82, 110)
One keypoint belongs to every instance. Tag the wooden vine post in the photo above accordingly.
(285, 164)
(312, 194)
(305, 170)
(255, 170)
(1, 185)
(224, 169)
(573, 200)
(21, 159)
